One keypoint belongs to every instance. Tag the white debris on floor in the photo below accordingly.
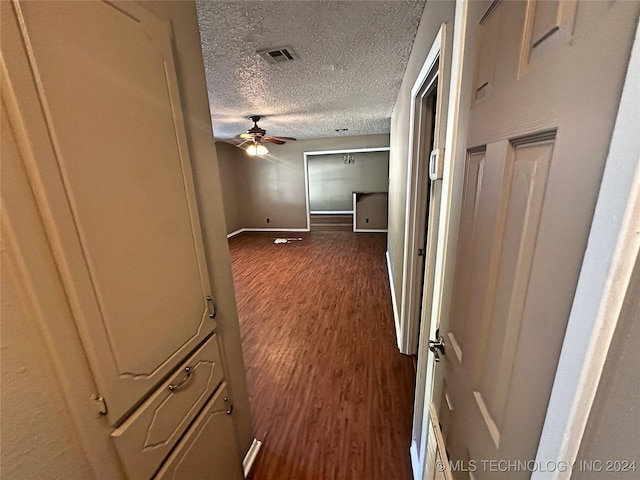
(286, 240)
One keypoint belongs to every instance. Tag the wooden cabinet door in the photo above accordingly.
(148, 435)
(205, 453)
(98, 105)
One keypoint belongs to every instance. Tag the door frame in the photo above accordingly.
(417, 188)
(431, 76)
(329, 152)
(457, 113)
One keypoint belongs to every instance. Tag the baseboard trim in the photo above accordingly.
(251, 456)
(275, 229)
(371, 230)
(394, 301)
(229, 235)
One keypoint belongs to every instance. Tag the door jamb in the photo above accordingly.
(417, 183)
(417, 186)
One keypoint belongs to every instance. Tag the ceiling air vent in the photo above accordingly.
(278, 55)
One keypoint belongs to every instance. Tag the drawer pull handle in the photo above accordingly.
(177, 386)
(214, 311)
(229, 405)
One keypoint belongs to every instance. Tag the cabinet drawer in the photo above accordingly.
(208, 451)
(148, 435)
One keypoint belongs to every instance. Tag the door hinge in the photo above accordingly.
(436, 163)
(99, 404)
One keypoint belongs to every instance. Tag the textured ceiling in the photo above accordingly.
(352, 57)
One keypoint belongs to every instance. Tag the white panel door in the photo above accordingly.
(547, 79)
(111, 172)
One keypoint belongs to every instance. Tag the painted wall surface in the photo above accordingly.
(332, 182)
(50, 429)
(273, 186)
(435, 13)
(228, 159)
(371, 211)
(37, 432)
(611, 443)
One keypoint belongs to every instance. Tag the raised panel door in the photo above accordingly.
(541, 112)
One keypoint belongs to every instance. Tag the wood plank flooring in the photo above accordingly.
(332, 397)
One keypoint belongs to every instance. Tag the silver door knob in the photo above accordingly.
(437, 347)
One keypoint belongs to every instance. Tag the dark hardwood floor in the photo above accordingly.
(332, 397)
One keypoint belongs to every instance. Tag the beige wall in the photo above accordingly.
(37, 431)
(50, 428)
(371, 211)
(613, 428)
(435, 13)
(273, 186)
(229, 157)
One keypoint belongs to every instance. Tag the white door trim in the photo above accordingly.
(452, 184)
(417, 184)
(329, 152)
(612, 249)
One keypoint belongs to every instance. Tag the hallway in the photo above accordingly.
(331, 396)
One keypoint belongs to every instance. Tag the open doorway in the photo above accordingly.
(347, 189)
(425, 232)
(431, 201)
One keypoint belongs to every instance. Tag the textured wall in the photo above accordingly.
(435, 13)
(273, 186)
(37, 432)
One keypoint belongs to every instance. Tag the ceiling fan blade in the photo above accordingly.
(257, 134)
(290, 139)
(242, 144)
(275, 140)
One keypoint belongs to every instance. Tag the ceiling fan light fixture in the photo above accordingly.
(257, 149)
(255, 137)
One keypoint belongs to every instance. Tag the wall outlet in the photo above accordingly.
(268, 220)
(366, 220)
